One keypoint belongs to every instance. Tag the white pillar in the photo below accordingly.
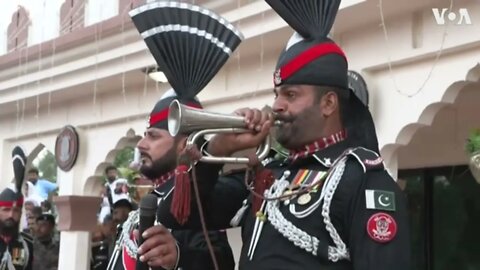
(75, 220)
(74, 251)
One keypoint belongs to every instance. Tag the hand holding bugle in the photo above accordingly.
(246, 129)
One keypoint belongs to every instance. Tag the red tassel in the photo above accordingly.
(180, 208)
(263, 181)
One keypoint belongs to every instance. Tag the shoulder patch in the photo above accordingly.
(382, 227)
(370, 160)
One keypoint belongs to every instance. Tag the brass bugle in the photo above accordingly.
(197, 123)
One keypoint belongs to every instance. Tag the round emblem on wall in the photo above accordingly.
(66, 148)
(382, 227)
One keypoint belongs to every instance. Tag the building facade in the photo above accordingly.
(82, 63)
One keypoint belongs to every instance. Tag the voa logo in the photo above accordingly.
(460, 18)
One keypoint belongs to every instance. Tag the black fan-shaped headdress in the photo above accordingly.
(189, 43)
(309, 18)
(12, 196)
(310, 57)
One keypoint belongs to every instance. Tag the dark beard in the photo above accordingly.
(162, 165)
(9, 228)
(292, 136)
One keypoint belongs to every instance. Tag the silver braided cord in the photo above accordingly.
(6, 263)
(295, 235)
(299, 237)
(340, 250)
(127, 228)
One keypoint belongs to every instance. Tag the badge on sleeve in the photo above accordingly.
(380, 199)
(381, 227)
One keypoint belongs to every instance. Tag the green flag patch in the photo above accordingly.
(380, 199)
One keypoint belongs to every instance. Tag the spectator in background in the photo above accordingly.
(103, 241)
(45, 247)
(111, 175)
(32, 216)
(29, 205)
(46, 207)
(43, 187)
(121, 208)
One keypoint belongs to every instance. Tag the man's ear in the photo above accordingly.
(329, 103)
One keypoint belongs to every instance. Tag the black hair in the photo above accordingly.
(123, 204)
(109, 168)
(33, 170)
(47, 204)
(46, 217)
(37, 211)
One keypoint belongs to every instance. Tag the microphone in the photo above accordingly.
(148, 207)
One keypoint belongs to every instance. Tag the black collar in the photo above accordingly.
(164, 189)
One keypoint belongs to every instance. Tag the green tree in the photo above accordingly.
(122, 161)
(124, 157)
(47, 167)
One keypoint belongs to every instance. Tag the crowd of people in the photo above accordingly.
(38, 237)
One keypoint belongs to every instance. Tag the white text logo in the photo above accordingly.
(459, 18)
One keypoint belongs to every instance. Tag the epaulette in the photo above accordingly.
(370, 160)
(27, 237)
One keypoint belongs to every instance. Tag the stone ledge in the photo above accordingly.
(77, 213)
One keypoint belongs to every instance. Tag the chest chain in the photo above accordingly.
(296, 235)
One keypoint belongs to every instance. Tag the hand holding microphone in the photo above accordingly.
(157, 247)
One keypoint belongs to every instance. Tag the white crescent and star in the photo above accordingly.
(382, 202)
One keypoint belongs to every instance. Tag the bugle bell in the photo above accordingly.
(183, 119)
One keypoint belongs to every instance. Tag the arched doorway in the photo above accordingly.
(443, 196)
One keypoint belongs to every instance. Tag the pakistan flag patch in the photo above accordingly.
(380, 199)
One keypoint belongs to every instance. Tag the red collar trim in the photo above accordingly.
(318, 145)
(163, 179)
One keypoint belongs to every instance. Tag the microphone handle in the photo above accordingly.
(145, 223)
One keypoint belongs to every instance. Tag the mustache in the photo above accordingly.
(285, 118)
(10, 221)
(145, 155)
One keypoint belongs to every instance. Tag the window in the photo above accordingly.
(444, 206)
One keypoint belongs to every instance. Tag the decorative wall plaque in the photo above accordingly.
(66, 148)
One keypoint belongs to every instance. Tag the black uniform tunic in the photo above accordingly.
(194, 254)
(21, 251)
(348, 212)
